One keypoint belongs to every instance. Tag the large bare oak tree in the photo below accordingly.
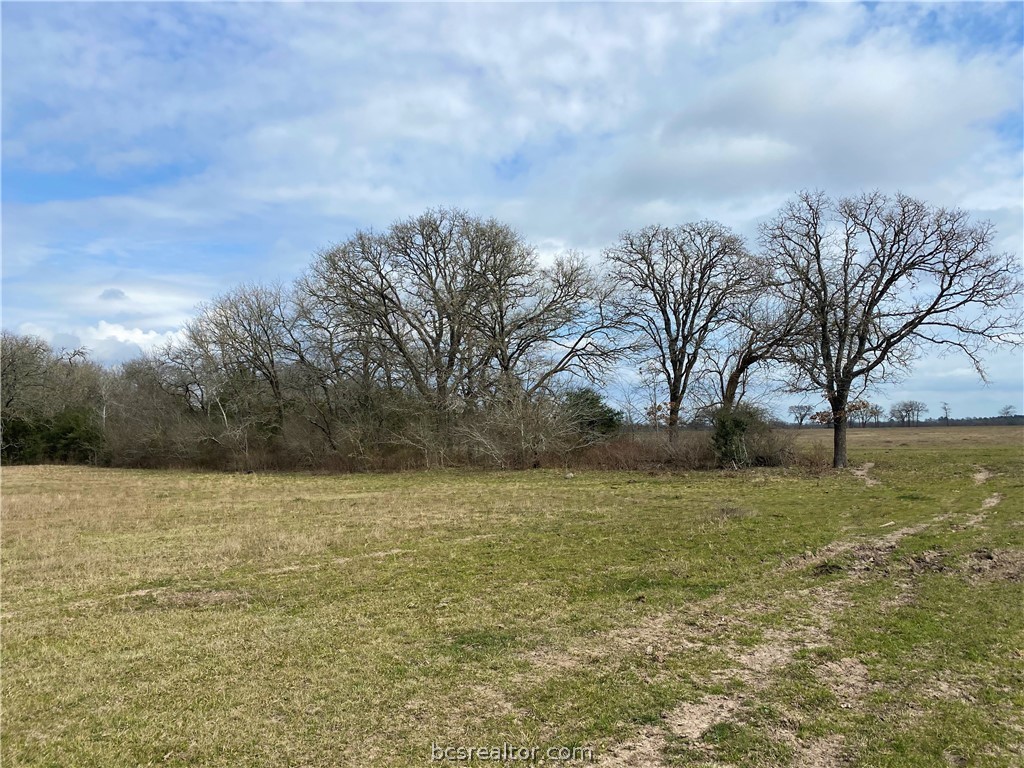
(878, 277)
(679, 287)
(465, 314)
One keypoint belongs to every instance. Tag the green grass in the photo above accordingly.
(168, 618)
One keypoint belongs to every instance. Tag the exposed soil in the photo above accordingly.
(991, 501)
(996, 565)
(645, 751)
(854, 556)
(691, 721)
(929, 561)
(848, 678)
(862, 473)
(822, 753)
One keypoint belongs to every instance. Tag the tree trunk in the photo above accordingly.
(839, 442)
(673, 422)
(840, 421)
(732, 386)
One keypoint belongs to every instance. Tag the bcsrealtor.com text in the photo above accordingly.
(508, 753)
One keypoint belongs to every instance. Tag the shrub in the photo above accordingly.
(743, 436)
(71, 435)
(592, 416)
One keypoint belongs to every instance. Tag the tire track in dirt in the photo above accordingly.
(847, 678)
(862, 473)
(755, 667)
(987, 505)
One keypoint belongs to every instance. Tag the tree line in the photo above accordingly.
(444, 339)
(904, 413)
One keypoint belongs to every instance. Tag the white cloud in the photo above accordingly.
(106, 342)
(230, 141)
(143, 339)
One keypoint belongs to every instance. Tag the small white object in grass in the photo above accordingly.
(569, 475)
(886, 525)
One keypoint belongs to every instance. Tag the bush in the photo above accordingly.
(742, 436)
(650, 451)
(23, 441)
(815, 456)
(71, 435)
(593, 417)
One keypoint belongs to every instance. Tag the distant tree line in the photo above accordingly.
(444, 340)
(905, 413)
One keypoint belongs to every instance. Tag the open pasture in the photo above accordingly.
(927, 438)
(869, 617)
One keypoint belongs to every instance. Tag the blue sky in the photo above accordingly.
(156, 154)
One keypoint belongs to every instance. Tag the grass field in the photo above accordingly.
(756, 618)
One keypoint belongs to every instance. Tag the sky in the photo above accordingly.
(156, 154)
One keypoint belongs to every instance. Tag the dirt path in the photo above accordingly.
(754, 668)
(862, 473)
(847, 678)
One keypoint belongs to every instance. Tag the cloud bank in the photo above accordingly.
(156, 154)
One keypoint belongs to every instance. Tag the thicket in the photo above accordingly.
(444, 340)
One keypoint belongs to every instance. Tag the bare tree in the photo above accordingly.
(538, 324)
(151, 419)
(875, 412)
(759, 330)
(917, 410)
(417, 286)
(864, 412)
(1008, 412)
(245, 331)
(49, 406)
(464, 317)
(679, 287)
(344, 372)
(879, 277)
(800, 413)
(946, 410)
(25, 362)
(908, 412)
(859, 411)
(901, 412)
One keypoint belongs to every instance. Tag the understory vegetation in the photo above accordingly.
(77, 412)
